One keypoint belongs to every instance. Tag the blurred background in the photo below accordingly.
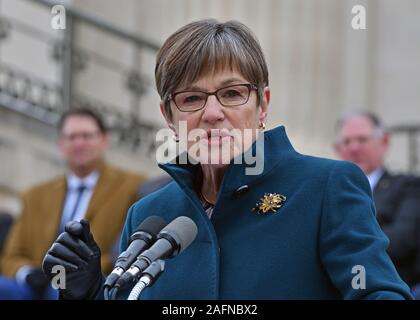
(319, 68)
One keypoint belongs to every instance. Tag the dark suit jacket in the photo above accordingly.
(37, 227)
(397, 201)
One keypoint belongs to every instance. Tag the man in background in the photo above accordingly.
(91, 189)
(362, 139)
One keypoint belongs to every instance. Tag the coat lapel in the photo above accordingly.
(382, 185)
(101, 191)
(55, 206)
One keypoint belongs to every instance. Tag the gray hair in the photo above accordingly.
(374, 120)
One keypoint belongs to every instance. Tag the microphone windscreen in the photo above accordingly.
(151, 225)
(183, 229)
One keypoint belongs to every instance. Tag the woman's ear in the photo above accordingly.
(167, 117)
(163, 111)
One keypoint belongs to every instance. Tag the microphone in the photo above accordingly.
(149, 276)
(140, 240)
(172, 240)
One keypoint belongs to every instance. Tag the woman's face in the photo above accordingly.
(216, 133)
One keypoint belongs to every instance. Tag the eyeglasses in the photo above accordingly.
(361, 140)
(87, 136)
(231, 96)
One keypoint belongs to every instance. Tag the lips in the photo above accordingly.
(216, 136)
(217, 133)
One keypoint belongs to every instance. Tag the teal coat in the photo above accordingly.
(307, 249)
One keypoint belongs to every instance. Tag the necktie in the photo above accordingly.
(80, 191)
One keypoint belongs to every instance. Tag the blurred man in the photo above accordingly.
(91, 189)
(362, 139)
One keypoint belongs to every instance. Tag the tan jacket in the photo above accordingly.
(37, 228)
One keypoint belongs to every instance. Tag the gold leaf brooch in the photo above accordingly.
(270, 202)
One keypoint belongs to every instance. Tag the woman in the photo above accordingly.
(301, 228)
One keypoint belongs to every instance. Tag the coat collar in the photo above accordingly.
(73, 181)
(276, 148)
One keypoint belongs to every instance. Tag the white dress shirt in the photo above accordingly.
(73, 183)
(374, 177)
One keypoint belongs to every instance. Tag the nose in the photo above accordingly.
(213, 110)
(353, 145)
(78, 141)
(354, 148)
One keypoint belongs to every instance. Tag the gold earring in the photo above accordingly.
(262, 126)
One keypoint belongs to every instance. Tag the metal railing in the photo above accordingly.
(38, 98)
(412, 133)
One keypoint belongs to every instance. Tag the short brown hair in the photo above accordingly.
(83, 112)
(207, 46)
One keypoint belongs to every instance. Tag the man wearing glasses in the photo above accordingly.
(91, 189)
(362, 139)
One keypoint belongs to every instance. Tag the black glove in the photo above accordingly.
(38, 282)
(76, 250)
